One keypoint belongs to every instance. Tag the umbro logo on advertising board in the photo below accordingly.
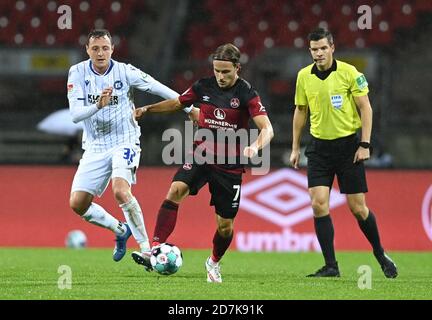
(281, 198)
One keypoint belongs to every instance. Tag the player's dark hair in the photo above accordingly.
(320, 33)
(98, 33)
(227, 52)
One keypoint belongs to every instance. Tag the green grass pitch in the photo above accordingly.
(34, 274)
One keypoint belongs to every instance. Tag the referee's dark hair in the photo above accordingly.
(320, 33)
(98, 33)
(227, 52)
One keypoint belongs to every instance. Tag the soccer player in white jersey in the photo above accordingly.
(99, 93)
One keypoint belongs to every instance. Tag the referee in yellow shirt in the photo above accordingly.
(331, 91)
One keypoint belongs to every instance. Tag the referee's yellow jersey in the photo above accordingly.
(333, 112)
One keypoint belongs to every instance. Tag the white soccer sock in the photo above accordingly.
(98, 216)
(135, 220)
(212, 263)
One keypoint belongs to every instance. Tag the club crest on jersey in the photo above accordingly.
(219, 114)
(187, 166)
(69, 87)
(118, 85)
(235, 103)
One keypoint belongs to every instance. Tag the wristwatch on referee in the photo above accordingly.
(365, 144)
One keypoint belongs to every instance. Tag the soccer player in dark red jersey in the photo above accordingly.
(227, 102)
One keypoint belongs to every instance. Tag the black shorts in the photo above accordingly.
(224, 186)
(327, 158)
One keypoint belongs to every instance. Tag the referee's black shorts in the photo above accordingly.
(327, 158)
(223, 186)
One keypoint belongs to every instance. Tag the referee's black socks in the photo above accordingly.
(325, 234)
(370, 230)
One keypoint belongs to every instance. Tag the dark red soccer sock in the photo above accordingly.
(220, 245)
(166, 221)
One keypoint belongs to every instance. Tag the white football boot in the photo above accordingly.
(213, 271)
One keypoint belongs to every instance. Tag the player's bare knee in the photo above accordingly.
(359, 212)
(79, 207)
(173, 194)
(225, 231)
(122, 195)
(80, 201)
(177, 192)
(319, 207)
(225, 228)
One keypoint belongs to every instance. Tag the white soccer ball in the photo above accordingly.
(166, 259)
(76, 239)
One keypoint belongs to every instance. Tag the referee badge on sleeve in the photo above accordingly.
(337, 101)
(361, 82)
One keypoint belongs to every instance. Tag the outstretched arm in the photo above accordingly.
(170, 105)
(145, 82)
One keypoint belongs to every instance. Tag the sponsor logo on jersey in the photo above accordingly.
(262, 108)
(337, 101)
(118, 85)
(206, 98)
(87, 82)
(215, 124)
(235, 103)
(219, 114)
(94, 98)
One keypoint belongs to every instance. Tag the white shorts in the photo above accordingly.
(96, 169)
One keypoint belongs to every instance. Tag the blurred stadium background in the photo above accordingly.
(171, 40)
